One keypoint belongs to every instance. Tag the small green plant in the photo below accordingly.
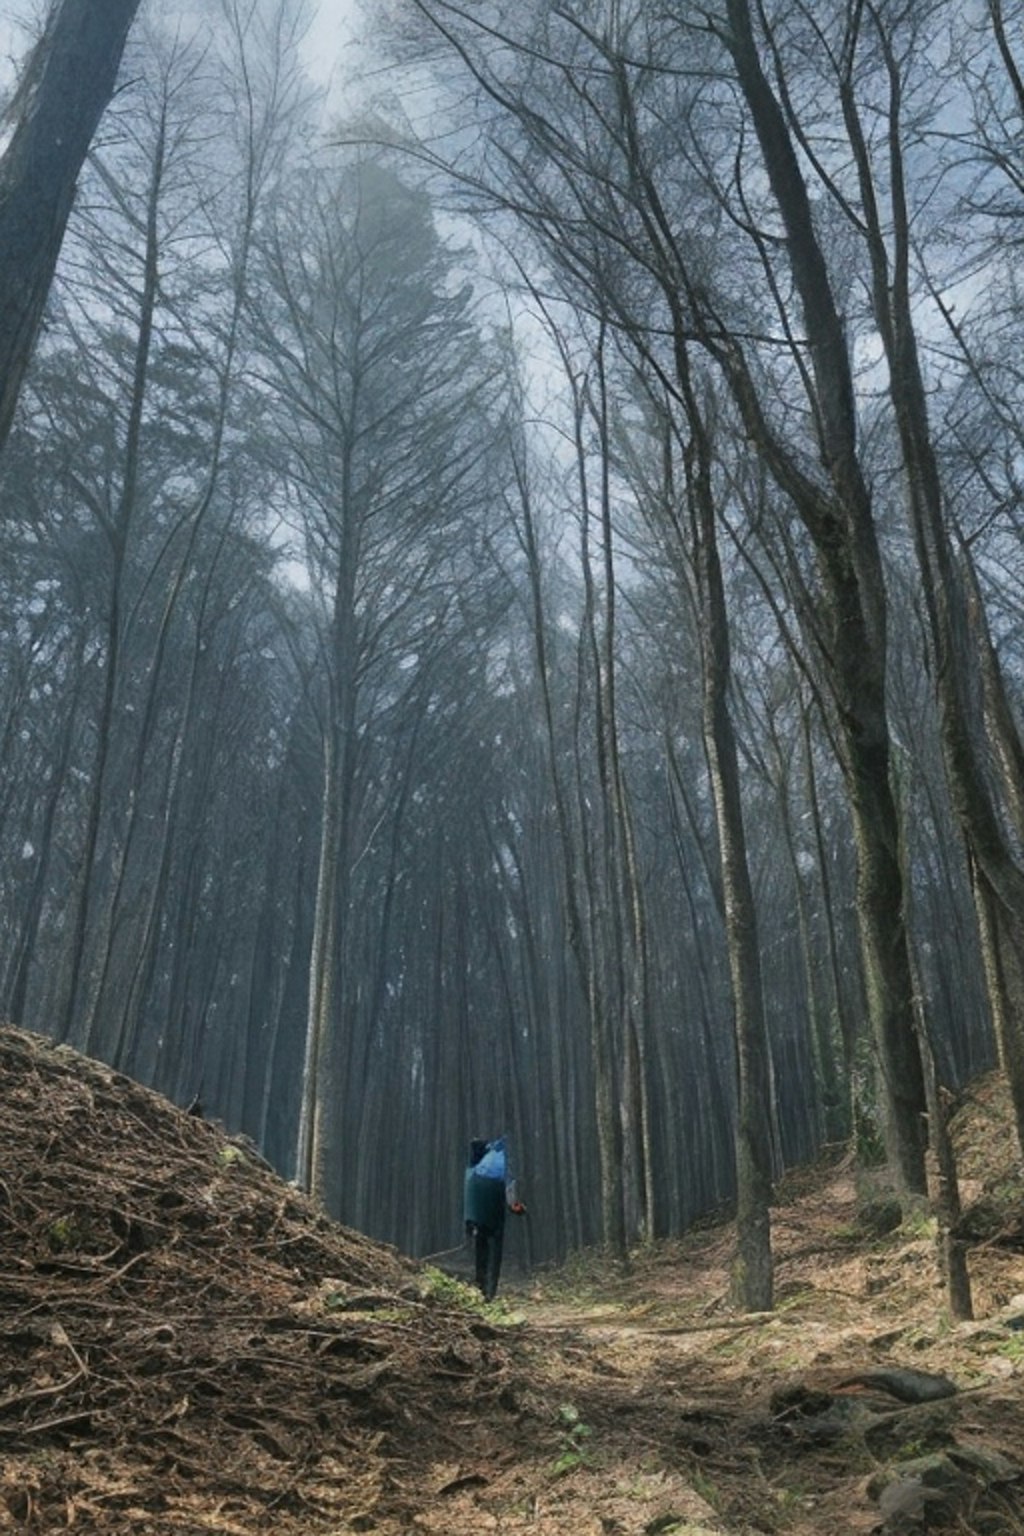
(911, 1450)
(1013, 1348)
(63, 1233)
(790, 1498)
(919, 1223)
(574, 1435)
(338, 1303)
(438, 1286)
(704, 1487)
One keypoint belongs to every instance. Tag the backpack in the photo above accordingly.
(493, 1164)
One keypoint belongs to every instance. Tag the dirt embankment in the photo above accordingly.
(187, 1345)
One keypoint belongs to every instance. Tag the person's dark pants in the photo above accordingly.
(488, 1259)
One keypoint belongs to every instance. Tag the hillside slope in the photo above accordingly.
(187, 1345)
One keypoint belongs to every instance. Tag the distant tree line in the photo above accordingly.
(521, 630)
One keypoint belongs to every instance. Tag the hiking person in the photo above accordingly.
(489, 1191)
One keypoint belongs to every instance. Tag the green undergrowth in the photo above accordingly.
(447, 1291)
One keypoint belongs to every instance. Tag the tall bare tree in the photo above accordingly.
(383, 393)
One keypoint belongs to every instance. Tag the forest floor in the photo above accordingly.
(188, 1346)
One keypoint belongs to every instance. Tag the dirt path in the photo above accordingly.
(188, 1345)
(656, 1409)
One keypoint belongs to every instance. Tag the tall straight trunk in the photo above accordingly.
(830, 1120)
(753, 1277)
(945, 1184)
(363, 1154)
(843, 1014)
(552, 1177)
(323, 1100)
(692, 541)
(715, 1104)
(67, 83)
(630, 936)
(289, 1003)
(752, 1273)
(580, 893)
(311, 1170)
(597, 872)
(1001, 726)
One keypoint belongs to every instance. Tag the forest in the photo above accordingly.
(513, 602)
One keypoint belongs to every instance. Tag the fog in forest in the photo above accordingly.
(513, 593)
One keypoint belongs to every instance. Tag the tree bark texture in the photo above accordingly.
(67, 83)
(753, 1282)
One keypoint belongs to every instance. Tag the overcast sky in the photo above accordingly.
(334, 29)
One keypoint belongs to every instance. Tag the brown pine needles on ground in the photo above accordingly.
(188, 1345)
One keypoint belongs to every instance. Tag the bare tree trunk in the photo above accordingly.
(1000, 724)
(753, 1283)
(842, 1013)
(311, 1169)
(830, 1120)
(691, 535)
(997, 873)
(944, 1180)
(844, 536)
(581, 895)
(623, 878)
(67, 82)
(17, 978)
